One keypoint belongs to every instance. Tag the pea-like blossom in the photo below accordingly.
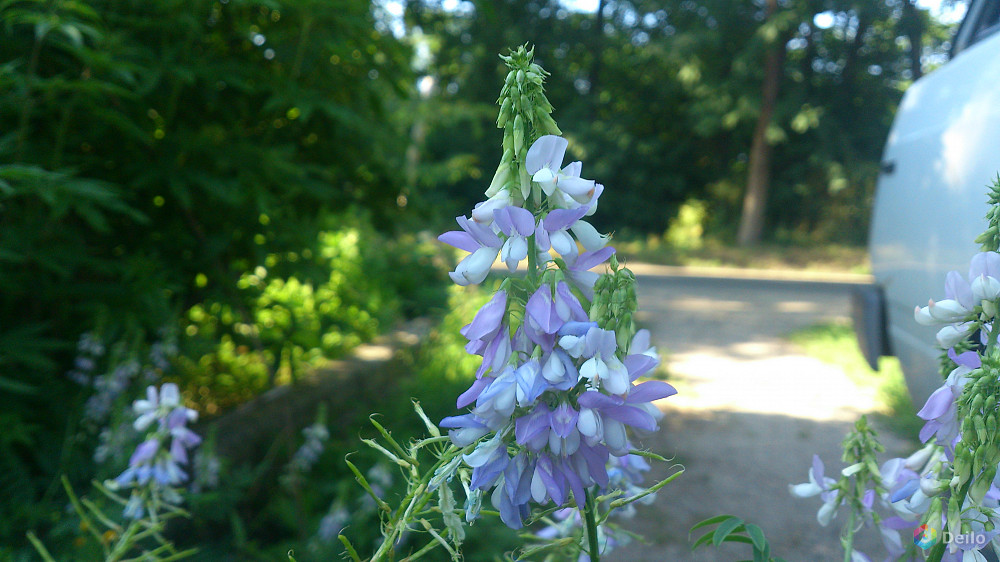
(544, 163)
(819, 484)
(160, 457)
(555, 393)
(604, 418)
(578, 268)
(940, 410)
(517, 225)
(957, 310)
(601, 366)
(483, 245)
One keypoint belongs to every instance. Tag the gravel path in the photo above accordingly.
(750, 413)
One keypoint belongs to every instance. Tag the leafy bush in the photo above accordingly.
(306, 307)
(152, 154)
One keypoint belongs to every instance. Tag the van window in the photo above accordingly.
(989, 21)
(981, 19)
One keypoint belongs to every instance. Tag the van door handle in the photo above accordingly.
(888, 167)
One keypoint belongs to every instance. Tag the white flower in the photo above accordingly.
(819, 484)
(544, 163)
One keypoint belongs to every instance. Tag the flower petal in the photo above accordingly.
(650, 391)
(546, 152)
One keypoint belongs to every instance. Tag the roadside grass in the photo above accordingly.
(714, 253)
(834, 343)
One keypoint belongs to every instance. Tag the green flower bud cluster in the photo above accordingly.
(990, 239)
(615, 303)
(524, 117)
(860, 449)
(977, 454)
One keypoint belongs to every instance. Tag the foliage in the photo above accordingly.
(661, 96)
(306, 307)
(119, 540)
(151, 155)
(729, 528)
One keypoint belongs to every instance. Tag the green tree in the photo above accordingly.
(668, 100)
(151, 153)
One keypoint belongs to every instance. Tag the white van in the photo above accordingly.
(942, 153)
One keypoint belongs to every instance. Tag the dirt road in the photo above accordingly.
(750, 413)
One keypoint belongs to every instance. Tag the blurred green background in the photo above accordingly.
(230, 193)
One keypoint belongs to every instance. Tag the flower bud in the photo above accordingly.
(954, 516)
(932, 487)
(598, 311)
(518, 136)
(933, 517)
(543, 121)
(977, 403)
(981, 485)
(852, 469)
(968, 431)
(505, 111)
(525, 181)
(916, 461)
(625, 331)
(473, 504)
(977, 419)
(520, 77)
(499, 179)
(989, 309)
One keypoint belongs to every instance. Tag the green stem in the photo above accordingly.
(42, 551)
(590, 516)
(848, 540)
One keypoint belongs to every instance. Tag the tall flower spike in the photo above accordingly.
(555, 393)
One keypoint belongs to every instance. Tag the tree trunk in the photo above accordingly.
(759, 175)
(913, 26)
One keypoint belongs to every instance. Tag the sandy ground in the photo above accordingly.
(750, 412)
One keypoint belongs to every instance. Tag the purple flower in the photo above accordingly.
(152, 460)
(532, 430)
(601, 366)
(465, 430)
(483, 245)
(530, 382)
(940, 413)
(495, 352)
(511, 498)
(496, 402)
(578, 269)
(488, 461)
(962, 297)
(818, 484)
(517, 224)
(553, 232)
(603, 417)
(488, 319)
(559, 370)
